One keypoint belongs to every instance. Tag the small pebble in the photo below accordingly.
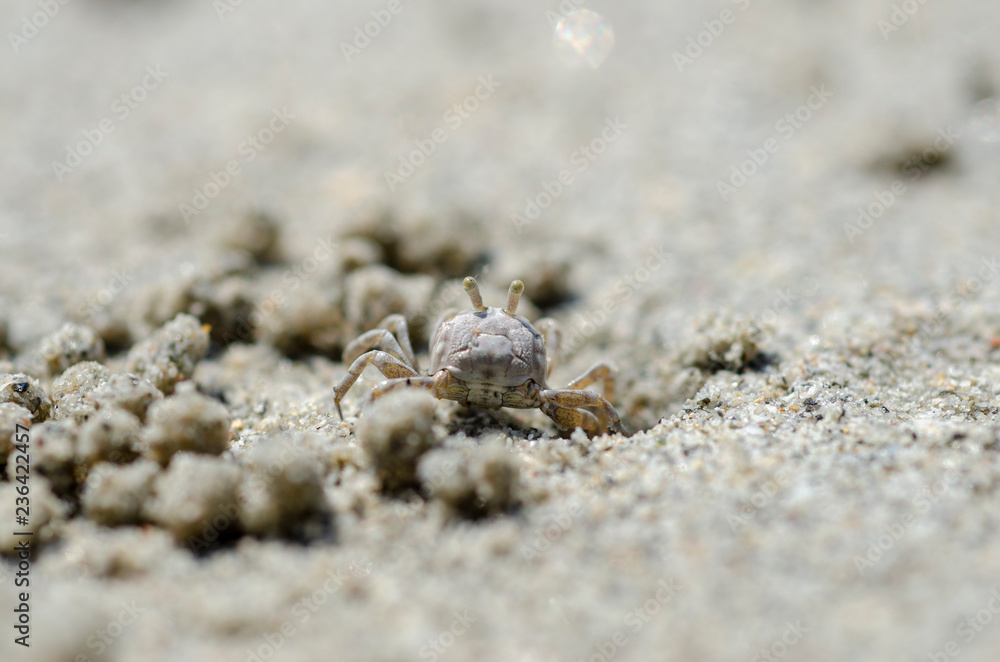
(376, 291)
(123, 552)
(226, 307)
(25, 391)
(114, 495)
(422, 241)
(472, 481)
(258, 233)
(722, 343)
(72, 391)
(190, 290)
(71, 344)
(282, 491)
(195, 499)
(106, 312)
(89, 387)
(110, 435)
(171, 354)
(396, 431)
(308, 320)
(187, 421)
(127, 392)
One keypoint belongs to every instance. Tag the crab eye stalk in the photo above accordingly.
(472, 287)
(513, 295)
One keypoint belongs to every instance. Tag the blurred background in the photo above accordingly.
(695, 88)
(725, 198)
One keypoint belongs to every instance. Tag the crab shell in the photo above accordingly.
(491, 353)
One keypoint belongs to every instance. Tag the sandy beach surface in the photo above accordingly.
(780, 221)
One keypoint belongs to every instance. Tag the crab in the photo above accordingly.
(485, 358)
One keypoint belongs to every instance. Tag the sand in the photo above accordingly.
(779, 221)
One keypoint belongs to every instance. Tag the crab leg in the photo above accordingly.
(571, 399)
(392, 336)
(429, 384)
(387, 364)
(569, 419)
(598, 371)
